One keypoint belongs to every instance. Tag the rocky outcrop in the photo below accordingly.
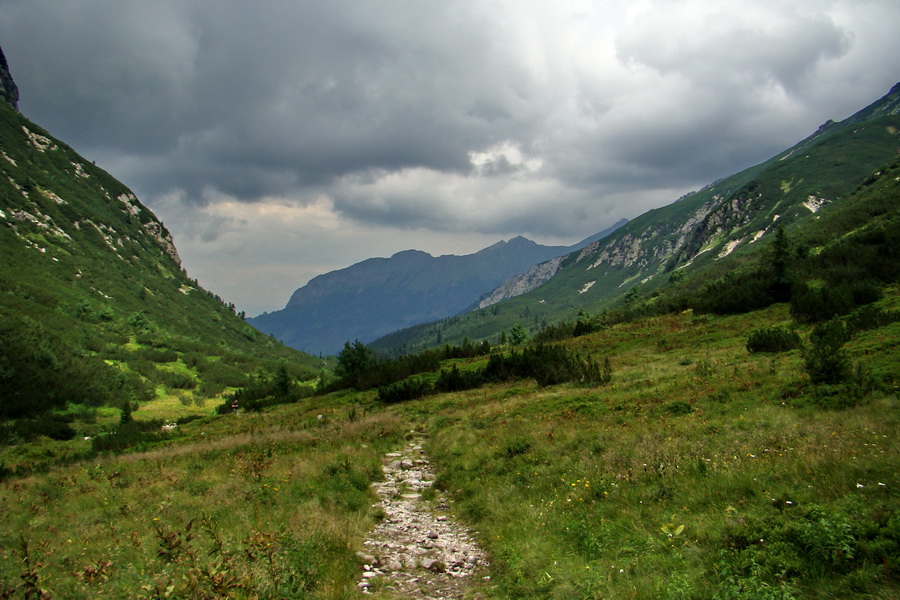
(8, 89)
(517, 285)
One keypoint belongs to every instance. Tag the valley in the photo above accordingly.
(700, 404)
(699, 470)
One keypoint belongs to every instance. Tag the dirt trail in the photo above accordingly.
(418, 551)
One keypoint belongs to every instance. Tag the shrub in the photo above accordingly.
(129, 434)
(51, 427)
(408, 389)
(813, 305)
(548, 365)
(158, 355)
(180, 381)
(870, 317)
(455, 380)
(772, 339)
(825, 360)
(221, 374)
(734, 293)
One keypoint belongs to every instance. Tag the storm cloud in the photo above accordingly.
(372, 126)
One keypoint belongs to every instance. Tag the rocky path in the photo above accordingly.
(418, 551)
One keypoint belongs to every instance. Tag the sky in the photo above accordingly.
(281, 139)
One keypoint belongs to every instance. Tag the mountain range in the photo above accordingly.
(700, 232)
(381, 295)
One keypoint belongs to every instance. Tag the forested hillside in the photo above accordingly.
(96, 308)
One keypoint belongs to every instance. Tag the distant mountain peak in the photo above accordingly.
(380, 295)
(411, 254)
(8, 89)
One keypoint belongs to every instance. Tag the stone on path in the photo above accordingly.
(413, 552)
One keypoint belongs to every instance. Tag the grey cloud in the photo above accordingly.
(236, 94)
(379, 105)
(744, 47)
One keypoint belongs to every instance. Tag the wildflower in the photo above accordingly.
(859, 485)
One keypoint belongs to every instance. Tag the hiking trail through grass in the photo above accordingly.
(418, 551)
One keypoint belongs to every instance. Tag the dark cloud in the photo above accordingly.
(476, 116)
(321, 89)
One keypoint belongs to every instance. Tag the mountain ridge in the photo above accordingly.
(723, 220)
(380, 295)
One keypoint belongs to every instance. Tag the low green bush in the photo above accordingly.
(129, 434)
(408, 389)
(772, 339)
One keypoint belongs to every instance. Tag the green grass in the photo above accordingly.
(577, 491)
(253, 506)
(699, 471)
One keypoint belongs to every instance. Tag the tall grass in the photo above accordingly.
(698, 471)
(271, 506)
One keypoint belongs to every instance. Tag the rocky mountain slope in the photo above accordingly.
(725, 220)
(734, 214)
(96, 307)
(8, 89)
(380, 295)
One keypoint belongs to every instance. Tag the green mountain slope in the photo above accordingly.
(96, 308)
(709, 229)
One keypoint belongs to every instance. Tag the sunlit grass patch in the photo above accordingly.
(173, 406)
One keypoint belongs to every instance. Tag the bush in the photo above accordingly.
(772, 339)
(408, 389)
(158, 355)
(51, 427)
(455, 380)
(548, 365)
(225, 375)
(734, 293)
(179, 381)
(814, 305)
(129, 434)
(825, 360)
(870, 317)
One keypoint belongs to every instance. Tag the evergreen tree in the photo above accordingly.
(353, 362)
(780, 284)
(518, 335)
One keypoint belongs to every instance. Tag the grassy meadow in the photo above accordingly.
(699, 471)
